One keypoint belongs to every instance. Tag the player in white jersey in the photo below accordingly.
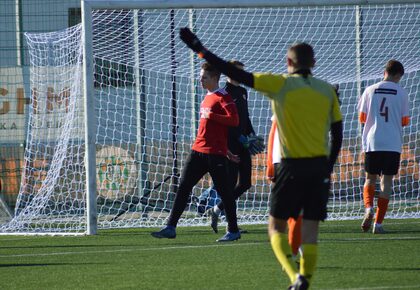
(383, 109)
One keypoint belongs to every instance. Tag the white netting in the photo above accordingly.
(147, 96)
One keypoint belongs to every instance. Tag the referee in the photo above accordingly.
(306, 109)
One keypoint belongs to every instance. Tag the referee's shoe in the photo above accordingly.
(300, 284)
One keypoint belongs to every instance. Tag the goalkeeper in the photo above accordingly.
(243, 143)
(209, 154)
(306, 109)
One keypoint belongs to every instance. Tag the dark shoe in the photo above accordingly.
(300, 284)
(214, 217)
(242, 231)
(367, 221)
(229, 237)
(165, 233)
(378, 229)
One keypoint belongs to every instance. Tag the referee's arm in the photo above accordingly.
(228, 69)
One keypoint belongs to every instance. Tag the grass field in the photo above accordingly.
(132, 259)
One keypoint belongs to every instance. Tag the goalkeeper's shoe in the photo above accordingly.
(378, 229)
(301, 283)
(167, 232)
(214, 219)
(242, 231)
(367, 221)
(230, 237)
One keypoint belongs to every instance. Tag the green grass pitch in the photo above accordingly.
(132, 259)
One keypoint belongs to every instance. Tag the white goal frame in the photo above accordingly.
(88, 69)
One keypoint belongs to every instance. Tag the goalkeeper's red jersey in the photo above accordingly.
(212, 135)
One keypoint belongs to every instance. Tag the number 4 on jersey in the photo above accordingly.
(384, 110)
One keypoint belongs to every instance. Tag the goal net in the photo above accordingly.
(146, 102)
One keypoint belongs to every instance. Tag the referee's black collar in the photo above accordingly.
(305, 72)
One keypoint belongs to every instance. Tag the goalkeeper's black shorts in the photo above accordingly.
(300, 184)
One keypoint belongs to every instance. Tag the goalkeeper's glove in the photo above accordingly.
(191, 40)
(256, 144)
(244, 141)
(336, 89)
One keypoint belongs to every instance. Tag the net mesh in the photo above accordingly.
(147, 97)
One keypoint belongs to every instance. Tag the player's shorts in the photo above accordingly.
(382, 162)
(300, 184)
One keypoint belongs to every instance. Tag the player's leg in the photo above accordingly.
(277, 232)
(295, 233)
(245, 174)
(215, 211)
(368, 196)
(314, 210)
(309, 248)
(391, 166)
(284, 203)
(243, 170)
(372, 168)
(194, 169)
(383, 201)
(218, 169)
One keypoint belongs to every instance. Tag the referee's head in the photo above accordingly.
(300, 56)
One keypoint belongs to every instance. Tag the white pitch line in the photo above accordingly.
(134, 250)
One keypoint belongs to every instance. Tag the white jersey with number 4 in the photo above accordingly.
(383, 106)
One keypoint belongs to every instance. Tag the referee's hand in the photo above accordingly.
(191, 40)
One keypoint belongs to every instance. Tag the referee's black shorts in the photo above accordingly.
(382, 162)
(300, 183)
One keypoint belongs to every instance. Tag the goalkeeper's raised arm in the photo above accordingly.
(226, 68)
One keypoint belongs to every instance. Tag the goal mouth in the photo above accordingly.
(133, 137)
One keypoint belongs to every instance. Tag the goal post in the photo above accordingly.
(114, 105)
(90, 119)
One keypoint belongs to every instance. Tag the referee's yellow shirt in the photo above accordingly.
(304, 108)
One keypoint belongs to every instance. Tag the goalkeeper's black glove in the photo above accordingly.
(336, 89)
(191, 40)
